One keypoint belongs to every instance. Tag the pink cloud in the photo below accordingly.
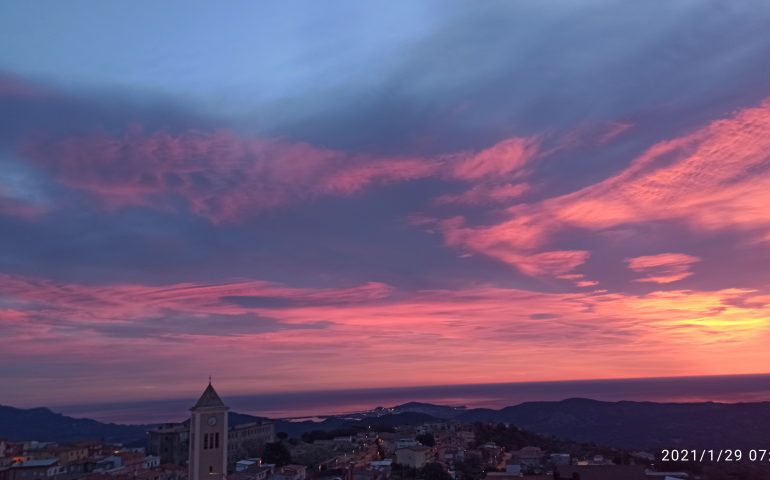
(664, 267)
(224, 177)
(476, 334)
(503, 159)
(702, 179)
(614, 130)
(14, 207)
(370, 172)
(14, 87)
(485, 195)
(514, 242)
(578, 279)
(123, 302)
(715, 178)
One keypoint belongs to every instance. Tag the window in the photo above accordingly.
(205, 441)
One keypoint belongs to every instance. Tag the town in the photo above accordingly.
(208, 447)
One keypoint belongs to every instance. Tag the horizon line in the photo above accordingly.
(422, 387)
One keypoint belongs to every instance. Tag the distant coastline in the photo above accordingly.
(726, 389)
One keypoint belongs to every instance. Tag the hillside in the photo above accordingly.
(45, 425)
(627, 425)
(643, 425)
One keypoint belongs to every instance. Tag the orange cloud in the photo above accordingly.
(477, 334)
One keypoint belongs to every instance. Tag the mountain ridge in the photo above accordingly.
(623, 424)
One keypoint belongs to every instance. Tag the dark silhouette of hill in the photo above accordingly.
(45, 425)
(296, 429)
(644, 425)
(626, 425)
(438, 411)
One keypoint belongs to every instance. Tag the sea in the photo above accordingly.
(316, 405)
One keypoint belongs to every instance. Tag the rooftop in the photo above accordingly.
(603, 472)
(44, 462)
(210, 398)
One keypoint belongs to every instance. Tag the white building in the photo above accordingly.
(242, 465)
(151, 461)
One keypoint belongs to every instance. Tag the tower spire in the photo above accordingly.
(208, 437)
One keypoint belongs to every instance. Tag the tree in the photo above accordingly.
(427, 439)
(470, 468)
(434, 471)
(277, 453)
(282, 435)
(251, 448)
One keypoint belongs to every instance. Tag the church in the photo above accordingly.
(208, 442)
(208, 437)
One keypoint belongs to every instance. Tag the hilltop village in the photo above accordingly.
(207, 446)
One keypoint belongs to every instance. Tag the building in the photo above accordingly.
(208, 437)
(450, 455)
(290, 472)
(36, 469)
(505, 476)
(560, 459)
(132, 462)
(527, 458)
(254, 472)
(171, 442)
(249, 439)
(513, 469)
(491, 452)
(65, 453)
(600, 472)
(247, 463)
(112, 463)
(406, 443)
(654, 475)
(155, 474)
(359, 473)
(151, 461)
(414, 457)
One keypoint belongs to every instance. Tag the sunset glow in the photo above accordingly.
(299, 207)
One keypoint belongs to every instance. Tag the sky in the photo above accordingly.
(302, 196)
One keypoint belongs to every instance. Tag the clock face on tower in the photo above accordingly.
(212, 421)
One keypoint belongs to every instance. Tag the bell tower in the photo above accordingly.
(208, 437)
